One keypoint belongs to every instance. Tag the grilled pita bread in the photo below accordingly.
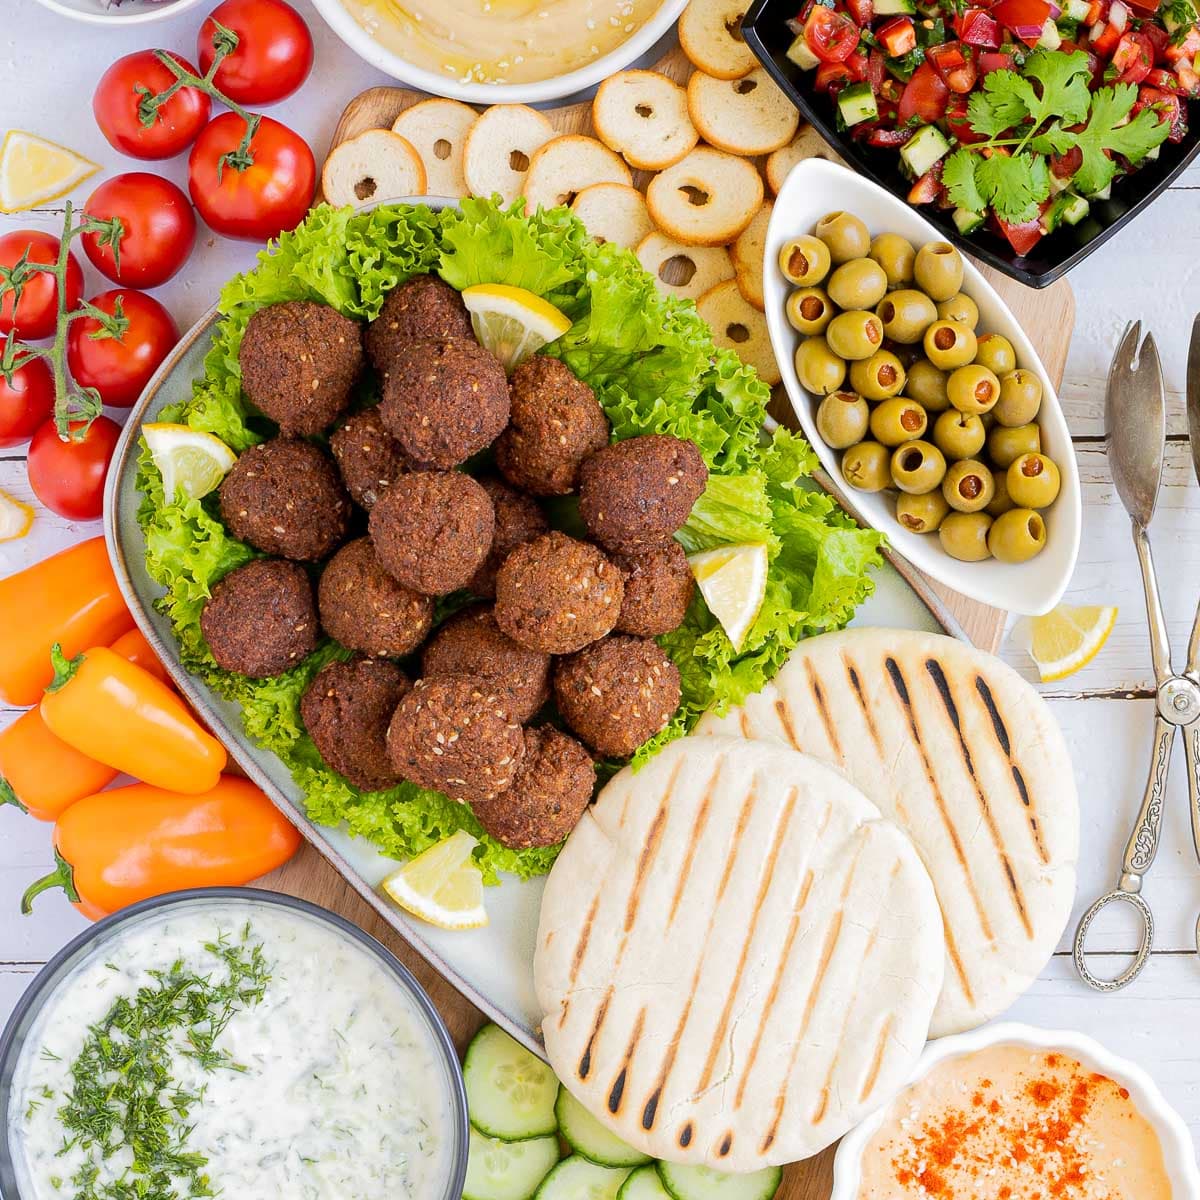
(965, 756)
(737, 957)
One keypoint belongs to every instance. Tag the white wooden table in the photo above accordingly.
(48, 69)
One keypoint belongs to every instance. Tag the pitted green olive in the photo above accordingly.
(896, 256)
(938, 270)
(1007, 443)
(996, 352)
(917, 467)
(959, 435)
(1020, 397)
(842, 419)
(809, 310)
(1017, 535)
(898, 420)
(927, 386)
(819, 370)
(859, 283)
(973, 389)
(921, 513)
(969, 486)
(906, 314)
(948, 344)
(1033, 481)
(855, 335)
(845, 235)
(804, 261)
(865, 467)
(964, 536)
(961, 308)
(879, 377)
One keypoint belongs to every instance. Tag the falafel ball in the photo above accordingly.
(423, 307)
(457, 735)
(261, 619)
(346, 710)
(556, 594)
(284, 497)
(658, 589)
(365, 609)
(471, 643)
(444, 400)
(552, 788)
(635, 494)
(299, 361)
(556, 423)
(519, 519)
(432, 530)
(369, 458)
(617, 693)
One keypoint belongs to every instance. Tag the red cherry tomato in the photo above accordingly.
(37, 311)
(68, 476)
(25, 402)
(117, 100)
(831, 36)
(925, 96)
(119, 368)
(270, 195)
(1133, 57)
(158, 228)
(274, 52)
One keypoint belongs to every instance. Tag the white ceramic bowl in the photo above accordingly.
(816, 187)
(338, 18)
(130, 12)
(1179, 1155)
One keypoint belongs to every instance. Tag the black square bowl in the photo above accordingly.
(766, 32)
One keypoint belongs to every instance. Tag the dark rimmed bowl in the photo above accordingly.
(767, 34)
(45, 983)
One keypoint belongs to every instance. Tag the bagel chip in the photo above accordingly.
(705, 199)
(644, 116)
(747, 253)
(738, 326)
(498, 149)
(747, 116)
(563, 167)
(614, 212)
(710, 34)
(375, 165)
(686, 272)
(438, 131)
(807, 143)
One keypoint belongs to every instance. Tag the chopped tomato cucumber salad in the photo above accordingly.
(1016, 114)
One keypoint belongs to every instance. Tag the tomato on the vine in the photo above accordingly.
(261, 200)
(158, 229)
(274, 53)
(26, 400)
(117, 101)
(36, 313)
(68, 476)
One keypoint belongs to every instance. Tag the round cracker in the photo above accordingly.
(748, 116)
(644, 116)
(710, 33)
(499, 147)
(807, 143)
(613, 212)
(747, 255)
(705, 199)
(438, 130)
(686, 272)
(375, 165)
(738, 326)
(563, 167)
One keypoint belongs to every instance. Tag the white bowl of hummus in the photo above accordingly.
(1009, 1111)
(501, 51)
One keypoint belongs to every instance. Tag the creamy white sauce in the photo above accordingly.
(343, 1093)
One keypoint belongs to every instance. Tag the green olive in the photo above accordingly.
(961, 308)
(995, 352)
(845, 235)
(842, 419)
(917, 467)
(865, 467)
(948, 344)
(1017, 535)
(1006, 443)
(969, 486)
(938, 270)
(959, 435)
(927, 386)
(896, 256)
(973, 389)
(1001, 502)
(1020, 397)
(906, 315)
(898, 420)
(878, 377)
(965, 536)
(804, 261)
(923, 513)
(809, 310)
(820, 370)
(859, 283)
(1033, 481)
(855, 335)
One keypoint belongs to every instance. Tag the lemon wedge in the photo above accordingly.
(733, 582)
(189, 460)
(1065, 639)
(442, 885)
(512, 322)
(33, 170)
(16, 518)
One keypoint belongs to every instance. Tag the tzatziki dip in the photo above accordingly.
(235, 1048)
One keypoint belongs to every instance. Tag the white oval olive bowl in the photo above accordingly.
(129, 12)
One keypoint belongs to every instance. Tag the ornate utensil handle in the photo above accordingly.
(1143, 841)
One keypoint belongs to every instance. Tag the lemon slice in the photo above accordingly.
(33, 170)
(1065, 639)
(15, 518)
(442, 885)
(511, 322)
(189, 460)
(733, 582)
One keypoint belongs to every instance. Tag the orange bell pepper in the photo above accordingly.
(71, 598)
(119, 714)
(125, 845)
(134, 647)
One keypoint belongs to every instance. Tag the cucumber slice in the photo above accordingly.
(577, 1179)
(887, 8)
(585, 1135)
(923, 149)
(499, 1170)
(966, 221)
(703, 1183)
(510, 1092)
(799, 53)
(643, 1184)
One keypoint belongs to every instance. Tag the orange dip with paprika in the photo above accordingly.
(1013, 1122)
